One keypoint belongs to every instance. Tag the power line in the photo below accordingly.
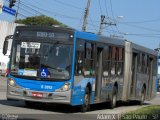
(140, 22)
(53, 13)
(41, 11)
(18, 13)
(68, 5)
(106, 8)
(135, 34)
(92, 23)
(29, 5)
(22, 3)
(80, 21)
(26, 11)
(22, 15)
(33, 2)
(113, 15)
(141, 34)
(100, 6)
(111, 9)
(33, 8)
(144, 35)
(141, 27)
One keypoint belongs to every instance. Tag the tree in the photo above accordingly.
(40, 20)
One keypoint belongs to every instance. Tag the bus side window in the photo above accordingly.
(114, 60)
(139, 62)
(89, 65)
(143, 63)
(120, 61)
(147, 64)
(145, 60)
(79, 57)
(107, 61)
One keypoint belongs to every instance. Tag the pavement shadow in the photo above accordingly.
(66, 111)
(12, 103)
(60, 108)
(103, 106)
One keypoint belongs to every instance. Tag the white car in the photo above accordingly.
(2, 68)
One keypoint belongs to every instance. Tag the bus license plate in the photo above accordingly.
(37, 94)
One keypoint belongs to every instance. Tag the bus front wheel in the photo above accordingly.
(86, 104)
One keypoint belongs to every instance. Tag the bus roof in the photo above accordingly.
(144, 49)
(91, 36)
(35, 27)
(113, 41)
(119, 41)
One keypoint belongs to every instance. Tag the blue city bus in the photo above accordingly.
(66, 66)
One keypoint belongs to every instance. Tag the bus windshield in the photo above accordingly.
(41, 60)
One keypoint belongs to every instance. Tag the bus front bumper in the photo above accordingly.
(39, 96)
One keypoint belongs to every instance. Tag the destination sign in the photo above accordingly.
(30, 45)
(43, 35)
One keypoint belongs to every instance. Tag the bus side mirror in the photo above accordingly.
(5, 44)
(5, 47)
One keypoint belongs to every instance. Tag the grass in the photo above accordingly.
(145, 113)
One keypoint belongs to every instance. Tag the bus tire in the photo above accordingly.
(86, 104)
(143, 93)
(113, 99)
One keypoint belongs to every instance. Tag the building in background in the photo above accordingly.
(6, 28)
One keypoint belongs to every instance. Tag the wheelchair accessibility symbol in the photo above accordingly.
(44, 72)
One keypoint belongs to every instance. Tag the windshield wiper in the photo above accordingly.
(58, 69)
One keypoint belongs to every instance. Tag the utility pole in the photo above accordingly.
(85, 16)
(17, 10)
(101, 24)
(104, 22)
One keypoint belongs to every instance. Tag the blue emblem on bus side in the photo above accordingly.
(44, 72)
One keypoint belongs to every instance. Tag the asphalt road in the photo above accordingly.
(18, 110)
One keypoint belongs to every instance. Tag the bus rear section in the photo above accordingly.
(140, 73)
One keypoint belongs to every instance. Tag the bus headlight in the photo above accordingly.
(11, 82)
(65, 87)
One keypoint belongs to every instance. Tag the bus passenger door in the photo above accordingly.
(99, 73)
(134, 71)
